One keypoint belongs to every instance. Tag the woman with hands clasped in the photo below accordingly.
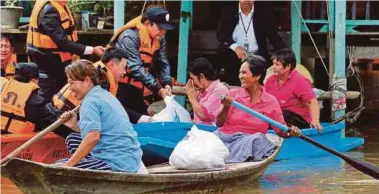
(243, 134)
(204, 91)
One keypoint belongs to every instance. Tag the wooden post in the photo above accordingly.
(296, 28)
(184, 31)
(118, 15)
(339, 90)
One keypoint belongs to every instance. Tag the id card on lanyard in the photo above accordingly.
(246, 44)
(246, 40)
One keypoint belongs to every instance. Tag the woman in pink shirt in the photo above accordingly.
(204, 91)
(242, 133)
(293, 92)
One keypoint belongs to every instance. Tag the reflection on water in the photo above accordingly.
(327, 174)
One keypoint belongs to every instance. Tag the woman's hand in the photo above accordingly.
(70, 119)
(192, 91)
(293, 131)
(227, 101)
(317, 125)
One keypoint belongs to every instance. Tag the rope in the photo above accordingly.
(144, 5)
(310, 36)
(143, 8)
(350, 52)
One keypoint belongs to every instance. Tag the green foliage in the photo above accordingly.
(11, 3)
(79, 5)
(104, 8)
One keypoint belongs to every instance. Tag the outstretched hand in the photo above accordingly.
(98, 51)
(317, 125)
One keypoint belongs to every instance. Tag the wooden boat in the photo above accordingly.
(49, 149)
(159, 139)
(33, 177)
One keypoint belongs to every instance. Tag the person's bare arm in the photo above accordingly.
(221, 117)
(314, 109)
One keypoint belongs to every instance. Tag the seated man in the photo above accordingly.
(299, 68)
(204, 91)
(243, 30)
(22, 109)
(8, 58)
(113, 63)
(106, 139)
(293, 91)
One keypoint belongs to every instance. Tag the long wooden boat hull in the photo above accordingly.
(32, 177)
(159, 139)
(47, 150)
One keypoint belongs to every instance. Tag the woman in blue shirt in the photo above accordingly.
(107, 140)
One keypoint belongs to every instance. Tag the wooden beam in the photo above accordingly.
(179, 90)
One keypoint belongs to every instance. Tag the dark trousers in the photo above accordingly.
(50, 86)
(131, 97)
(62, 130)
(228, 60)
(293, 119)
(54, 68)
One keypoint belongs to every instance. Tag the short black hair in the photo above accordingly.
(202, 66)
(8, 37)
(113, 52)
(287, 57)
(257, 65)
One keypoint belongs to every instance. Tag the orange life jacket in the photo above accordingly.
(148, 49)
(64, 100)
(14, 95)
(10, 68)
(42, 42)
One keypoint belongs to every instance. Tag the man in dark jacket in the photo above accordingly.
(52, 43)
(148, 71)
(243, 30)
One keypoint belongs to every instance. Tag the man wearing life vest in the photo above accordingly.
(8, 57)
(148, 69)
(52, 43)
(113, 63)
(22, 109)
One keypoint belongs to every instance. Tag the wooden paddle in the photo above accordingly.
(358, 164)
(37, 137)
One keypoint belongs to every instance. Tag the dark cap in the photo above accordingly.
(28, 70)
(160, 16)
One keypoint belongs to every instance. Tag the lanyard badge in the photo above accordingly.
(246, 44)
(246, 40)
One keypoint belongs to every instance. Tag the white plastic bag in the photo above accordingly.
(199, 150)
(174, 112)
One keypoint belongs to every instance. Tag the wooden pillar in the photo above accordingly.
(339, 77)
(184, 31)
(296, 28)
(118, 14)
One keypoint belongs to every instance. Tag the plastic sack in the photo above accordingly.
(199, 150)
(174, 112)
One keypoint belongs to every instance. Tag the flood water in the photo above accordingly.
(327, 174)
